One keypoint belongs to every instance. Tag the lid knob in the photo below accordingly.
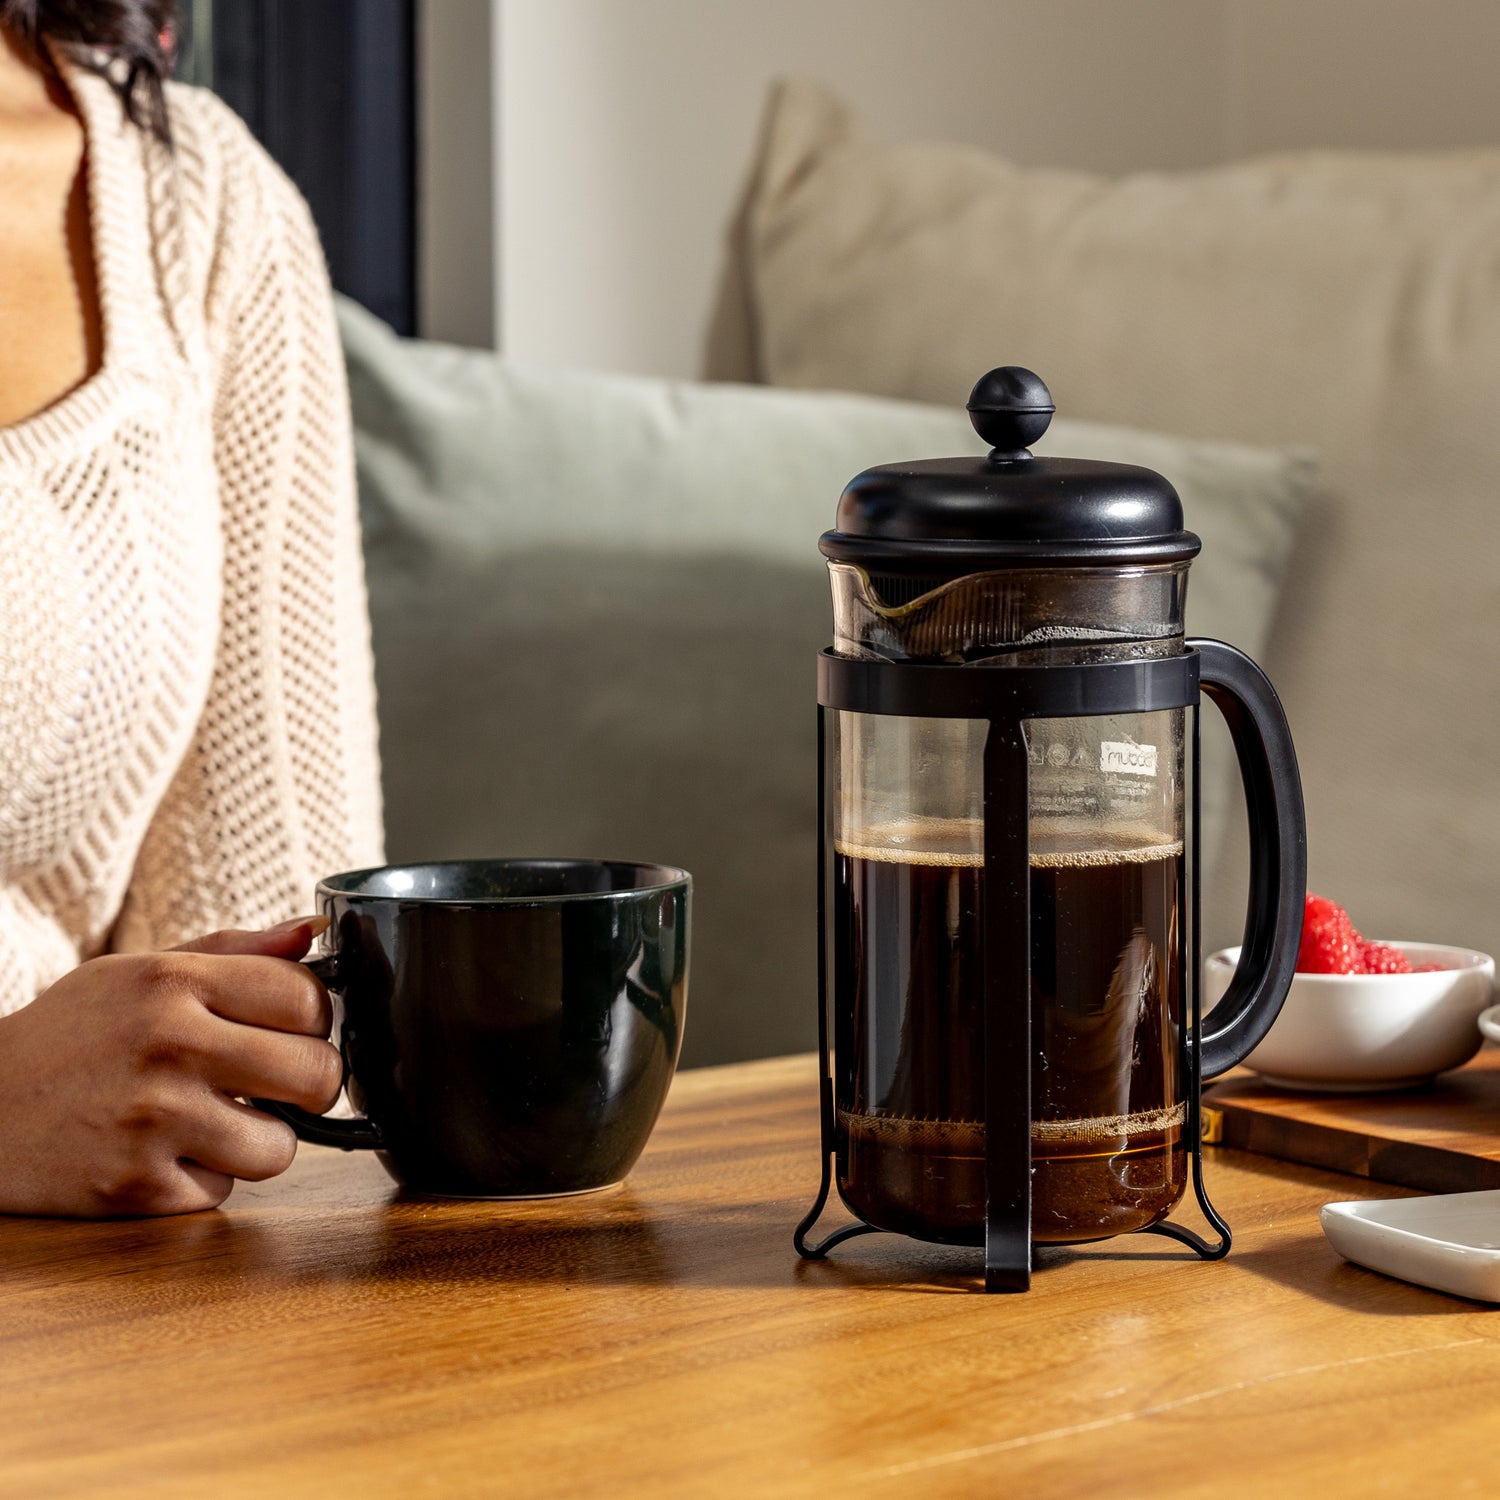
(1010, 408)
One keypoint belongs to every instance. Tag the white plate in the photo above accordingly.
(1449, 1241)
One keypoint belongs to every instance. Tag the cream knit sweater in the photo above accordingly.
(187, 732)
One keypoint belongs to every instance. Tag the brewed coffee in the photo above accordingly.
(1107, 1105)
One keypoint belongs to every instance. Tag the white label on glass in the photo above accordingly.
(1126, 759)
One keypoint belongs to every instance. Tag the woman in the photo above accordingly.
(186, 713)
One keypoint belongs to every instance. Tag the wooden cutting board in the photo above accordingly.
(1444, 1137)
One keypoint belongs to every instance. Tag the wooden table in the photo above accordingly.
(320, 1337)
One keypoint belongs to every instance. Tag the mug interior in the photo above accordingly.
(497, 881)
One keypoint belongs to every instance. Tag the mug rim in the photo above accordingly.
(347, 884)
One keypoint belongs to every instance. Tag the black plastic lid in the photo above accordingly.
(960, 515)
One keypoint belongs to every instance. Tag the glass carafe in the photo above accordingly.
(1107, 833)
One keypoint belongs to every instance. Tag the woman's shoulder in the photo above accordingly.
(215, 151)
(237, 205)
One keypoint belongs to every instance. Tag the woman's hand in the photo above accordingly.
(118, 1084)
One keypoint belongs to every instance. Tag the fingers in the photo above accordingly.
(199, 1187)
(285, 940)
(258, 1064)
(159, 1184)
(230, 1139)
(266, 992)
(185, 1153)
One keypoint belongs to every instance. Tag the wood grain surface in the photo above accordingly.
(1444, 1138)
(321, 1337)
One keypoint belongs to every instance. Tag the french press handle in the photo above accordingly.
(1278, 855)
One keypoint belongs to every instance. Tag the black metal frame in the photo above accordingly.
(1006, 697)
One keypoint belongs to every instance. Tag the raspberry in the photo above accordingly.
(1381, 958)
(1330, 945)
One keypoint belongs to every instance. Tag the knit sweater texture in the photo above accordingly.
(187, 726)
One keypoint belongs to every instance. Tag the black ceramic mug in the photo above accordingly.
(510, 1027)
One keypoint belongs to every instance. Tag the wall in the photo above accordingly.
(457, 240)
(622, 129)
(627, 129)
(1371, 74)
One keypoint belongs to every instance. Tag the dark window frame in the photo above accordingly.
(329, 88)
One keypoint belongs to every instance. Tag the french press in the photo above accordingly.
(1009, 1026)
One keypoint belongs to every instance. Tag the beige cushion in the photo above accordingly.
(597, 601)
(1347, 302)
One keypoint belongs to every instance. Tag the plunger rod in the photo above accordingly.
(1007, 1010)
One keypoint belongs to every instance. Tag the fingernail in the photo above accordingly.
(314, 925)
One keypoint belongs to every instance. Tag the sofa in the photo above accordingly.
(596, 604)
(597, 599)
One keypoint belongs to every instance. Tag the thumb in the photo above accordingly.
(289, 939)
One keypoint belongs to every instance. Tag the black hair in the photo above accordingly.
(128, 41)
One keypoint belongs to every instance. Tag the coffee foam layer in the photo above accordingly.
(951, 843)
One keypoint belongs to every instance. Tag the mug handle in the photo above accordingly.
(1278, 854)
(319, 1130)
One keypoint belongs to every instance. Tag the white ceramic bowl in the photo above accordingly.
(1357, 1033)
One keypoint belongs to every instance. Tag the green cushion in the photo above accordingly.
(596, 603)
